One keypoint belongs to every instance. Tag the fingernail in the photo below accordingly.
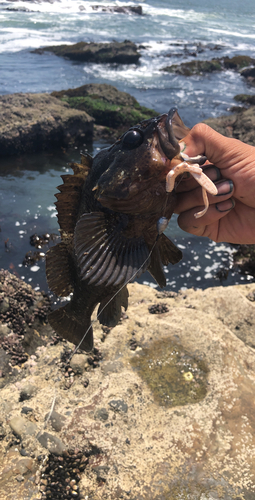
(182, 146)
(224, 187)
(213, 172)
(225, 206)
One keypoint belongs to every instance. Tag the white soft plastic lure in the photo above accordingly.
(192, 166)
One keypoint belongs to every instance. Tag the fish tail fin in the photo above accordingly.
(72, 326)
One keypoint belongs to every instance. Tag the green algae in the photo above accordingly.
(175, 377)
(109, 114)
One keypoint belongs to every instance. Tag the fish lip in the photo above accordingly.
(169, 144)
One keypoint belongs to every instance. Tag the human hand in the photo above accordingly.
(231, 214)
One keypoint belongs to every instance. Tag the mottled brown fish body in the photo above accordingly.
(108, 212)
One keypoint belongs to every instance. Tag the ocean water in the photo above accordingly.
(168, 32)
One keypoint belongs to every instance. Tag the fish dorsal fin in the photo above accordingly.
(179, 129)
(70, 193)
(104, 254)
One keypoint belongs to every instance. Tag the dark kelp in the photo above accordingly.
(108, 212)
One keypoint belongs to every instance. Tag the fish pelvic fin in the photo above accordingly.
(70, 194)
(72, 326)
(109, 311)
(59, 270)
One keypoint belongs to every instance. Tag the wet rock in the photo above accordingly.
(109, 106)
(27, 392)
(201, 67)
(34, 122)
(22, 427)
(123, 9)
(57, 421)
(113, 52)
(78, 363)
(52, 443)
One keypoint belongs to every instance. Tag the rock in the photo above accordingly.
(78, 363)
(113, 52)
(23, 470)
(34, 122)
(118, 405)
(57, 421)
(4, 305)
(22, 427)
(200, 67)
(109, 106)
(124, 9)
(239, 126)
(27, 392)
(102, 414)
(26, 410)
(181, 414)
(4, 330)
(52, 443)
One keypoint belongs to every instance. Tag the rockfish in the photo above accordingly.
(109, 213)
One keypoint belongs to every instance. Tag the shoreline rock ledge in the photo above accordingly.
(166, 412)
(34, 122)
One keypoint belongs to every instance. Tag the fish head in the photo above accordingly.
(130, 176)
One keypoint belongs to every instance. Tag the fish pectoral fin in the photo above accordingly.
(169, 253)
(109, 311)
(69, 325)
(104, 254)
(59, 270)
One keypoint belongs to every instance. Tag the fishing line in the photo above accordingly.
(126, 283)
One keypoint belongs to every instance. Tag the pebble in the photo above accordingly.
(5, 305)
(78, 363)
(4, 330)
(22, 427)
(57, 421)
(52, 443)
(102, 414)
(27, 392)
(118, 405)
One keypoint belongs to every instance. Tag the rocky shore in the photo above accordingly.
(34, 122)
(162, 408)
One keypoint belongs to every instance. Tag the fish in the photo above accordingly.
(112, 212)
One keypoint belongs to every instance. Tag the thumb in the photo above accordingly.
(203, 140)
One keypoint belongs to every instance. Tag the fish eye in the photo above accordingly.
(132, 139)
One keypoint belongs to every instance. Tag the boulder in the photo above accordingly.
(33, 122)
(113, 52)
(201, 67)
(109, 106)
(120, 9)
(240, 125)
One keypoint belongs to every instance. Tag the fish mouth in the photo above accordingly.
(171, 130)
